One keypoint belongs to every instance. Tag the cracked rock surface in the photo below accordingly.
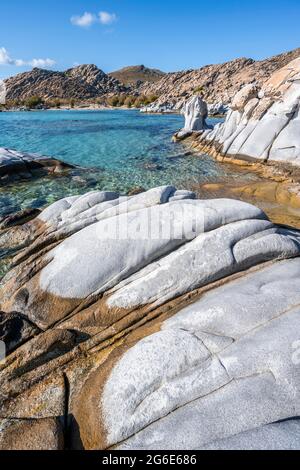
(151, 321)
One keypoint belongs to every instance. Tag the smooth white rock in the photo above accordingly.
(224, 365)
(195, 112)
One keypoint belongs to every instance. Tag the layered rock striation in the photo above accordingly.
(151, 321)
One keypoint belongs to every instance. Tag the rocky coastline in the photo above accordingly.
(161, 319)
(260, 133)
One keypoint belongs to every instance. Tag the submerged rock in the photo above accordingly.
(17, 165)
(162, 321)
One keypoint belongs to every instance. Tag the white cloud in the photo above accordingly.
(87, 19)
(6, 59)
(42, 63)
(84, 21)
(107, 18)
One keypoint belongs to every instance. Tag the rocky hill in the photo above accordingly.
(262, 125)
(137, 74)
(219, 82)
(82, 82)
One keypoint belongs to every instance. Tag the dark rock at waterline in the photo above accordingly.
(19, 217)
(37, 203)
(135, 191)
(9, 210)
(180, 155)
(15, 330)
(16, 166)
(152, 166)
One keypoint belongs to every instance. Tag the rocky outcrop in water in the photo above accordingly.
(157, 321)
(219, 82)
(16, 165)
(264, 123)
(195, 113)
(83, 82)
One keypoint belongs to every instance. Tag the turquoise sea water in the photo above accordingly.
(120, 150)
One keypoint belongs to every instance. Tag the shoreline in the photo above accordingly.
(279, 186)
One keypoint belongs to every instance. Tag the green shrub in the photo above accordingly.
(33, 102)
(113, 101)
(122, 99)
(129, 101)
(199, 90)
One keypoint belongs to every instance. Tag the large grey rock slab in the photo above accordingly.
(156, 321)
(222, 366)
(284, 435)
(210, 256)
(102, 240)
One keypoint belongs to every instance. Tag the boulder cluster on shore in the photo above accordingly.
(263, 123)
(150, 321)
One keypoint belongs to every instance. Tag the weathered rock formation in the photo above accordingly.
(219, 82)
(263, 124)
(157, 321)
(83, 82)
(17, 165)
(195, 113)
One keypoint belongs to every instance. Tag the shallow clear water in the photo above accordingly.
(120, 150)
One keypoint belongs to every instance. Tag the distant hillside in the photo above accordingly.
(137, 73)
(219, 82)
(83, 82)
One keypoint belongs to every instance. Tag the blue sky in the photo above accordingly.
(166, 34)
